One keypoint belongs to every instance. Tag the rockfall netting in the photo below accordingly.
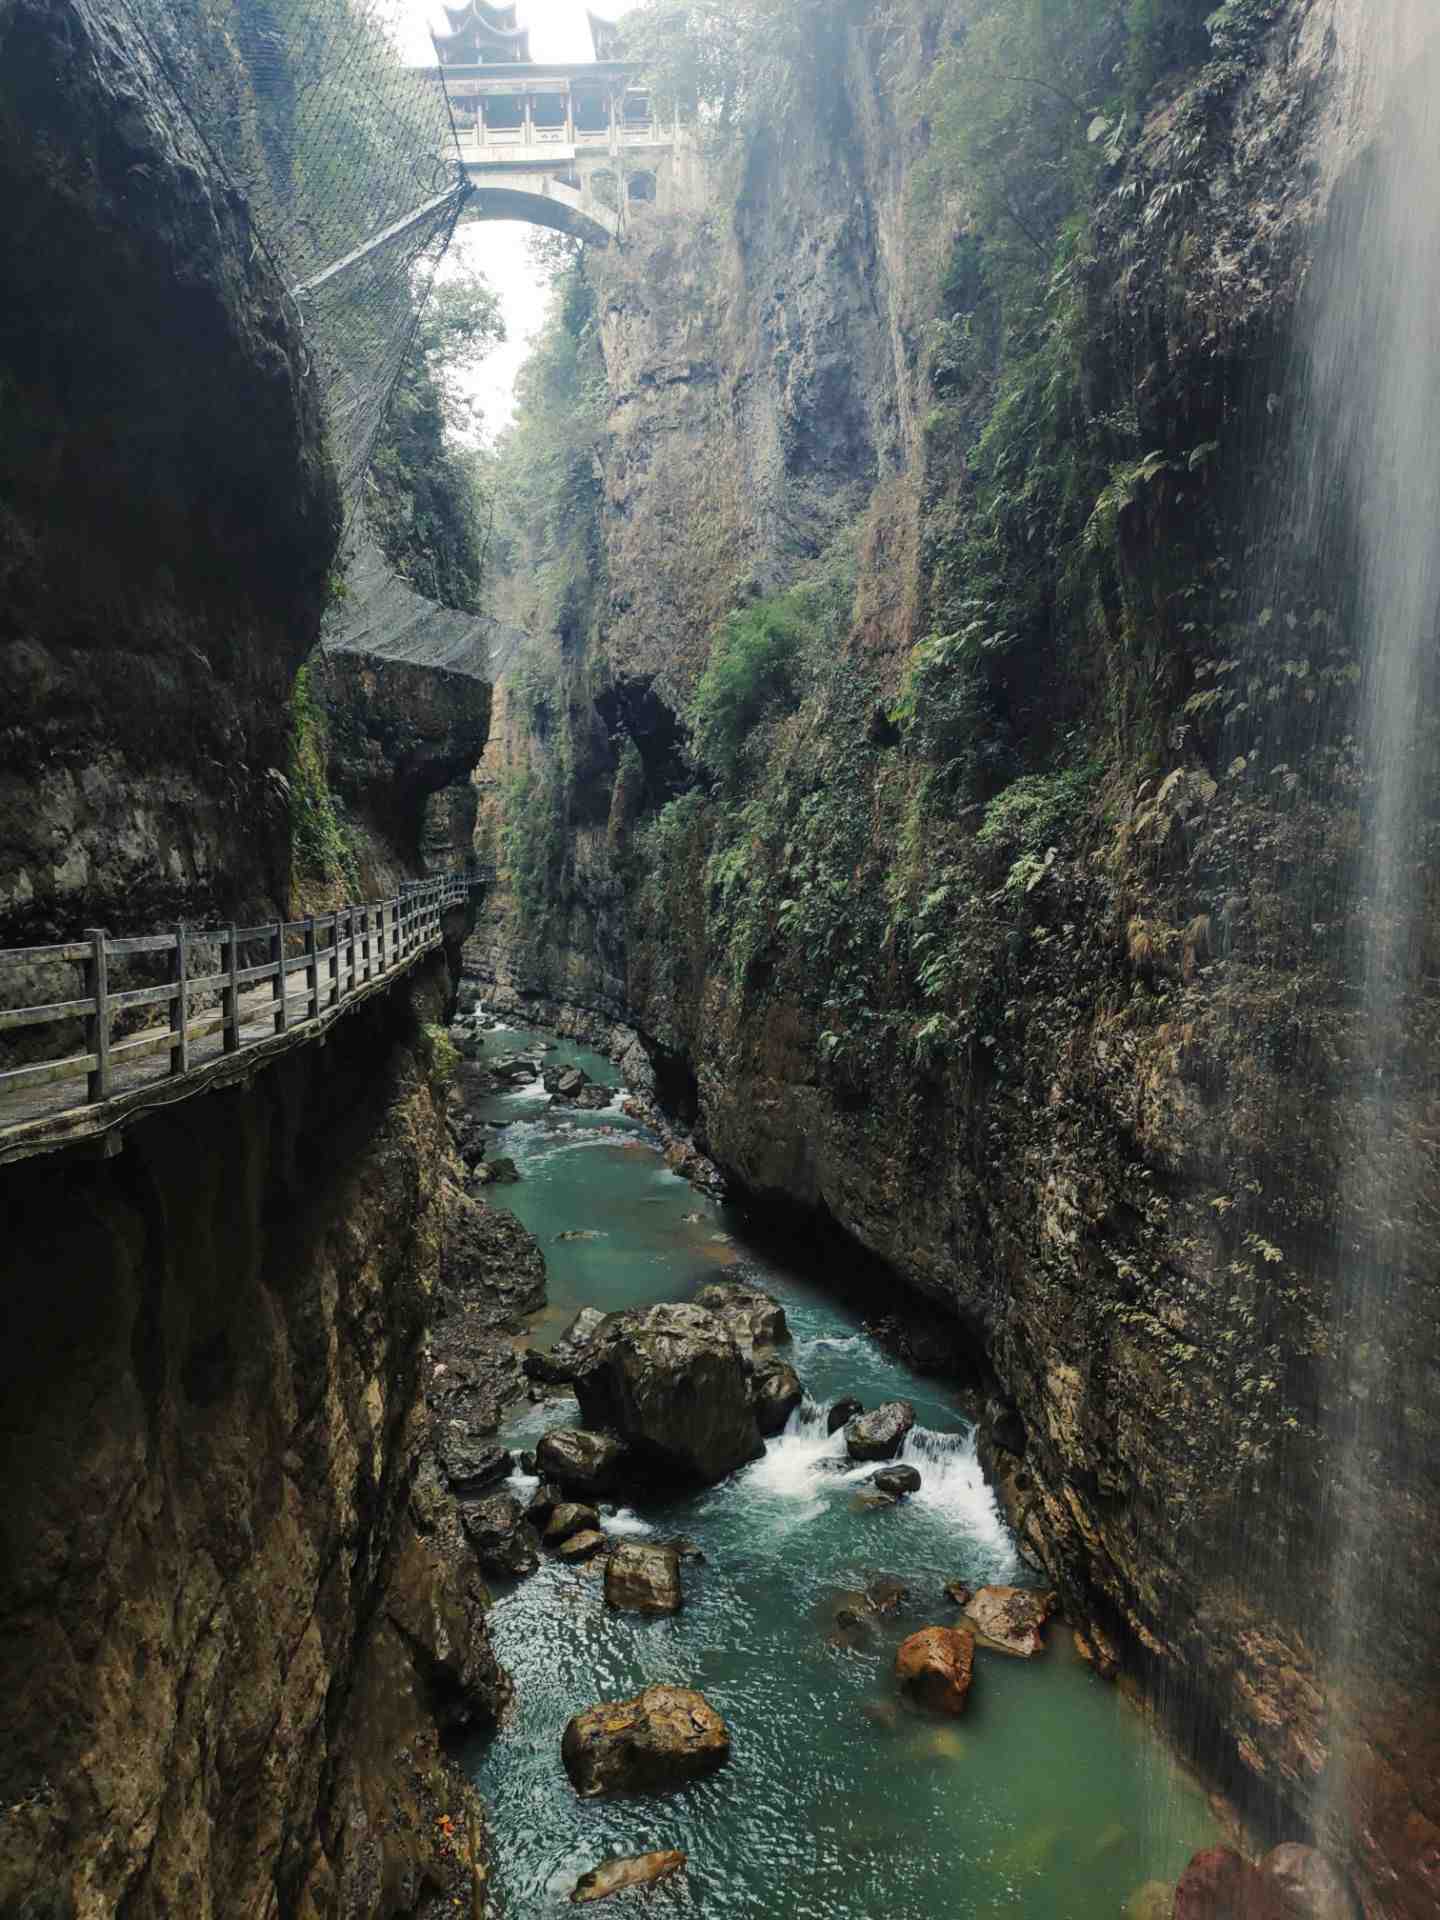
(382, 615)
(348, 163)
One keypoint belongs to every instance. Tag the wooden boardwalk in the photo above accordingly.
(226, 1001)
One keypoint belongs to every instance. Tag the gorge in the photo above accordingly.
(937, 682)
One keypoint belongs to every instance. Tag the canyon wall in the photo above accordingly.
(1012, 932)
(168, 514)
(232, 1613)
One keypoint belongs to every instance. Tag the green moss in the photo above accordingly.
(321, 843)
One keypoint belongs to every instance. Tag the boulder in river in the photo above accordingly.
(639, 1870)
(1219, 1885)
(661, 1739)
(755, 1319)
(881, 1434)
(566, 1519)
(543, 1502)
(934, 1668)
(896, 1480)
(500, 1172)
(958, 1593)
(842, 1412)
(582, 1461)
(1311, 1886)
(641, 1578)
(503, 1539)
(557, 1367)
(671, 1382)
(1012, 1619)
(776, 1392)
(581, 1546)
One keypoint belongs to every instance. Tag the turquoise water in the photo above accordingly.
(1048, 1799)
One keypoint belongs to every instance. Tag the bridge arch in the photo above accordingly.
(543, 201)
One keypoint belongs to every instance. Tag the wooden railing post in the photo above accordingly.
(281, 982)
(180, 1006)
(335, 961)
(367, 957)
(97, 1023)
(380, 953)
(230, 996)
(312, 978)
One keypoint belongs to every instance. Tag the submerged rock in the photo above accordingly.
(886, 1596)
(640, 1578)
(639, 1870)
(776, 1392)
(1154, 1900)
(1311, 1886)
(1012, 1619)
(934, 1668)
(896, 1480)
(958, 1593)
(670, 1380)
(660, 1740)
(881, 1434)
(582, 1461)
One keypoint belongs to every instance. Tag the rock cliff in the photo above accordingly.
(229, 1624)
(167, 512)
(988, 944)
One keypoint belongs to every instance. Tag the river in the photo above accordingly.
(1050, 1798)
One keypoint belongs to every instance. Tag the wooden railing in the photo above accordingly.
(216, 985)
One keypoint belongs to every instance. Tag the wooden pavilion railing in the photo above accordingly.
(215, 984)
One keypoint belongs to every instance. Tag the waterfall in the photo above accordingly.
(1368, 491)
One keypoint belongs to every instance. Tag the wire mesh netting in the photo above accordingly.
(348, 163)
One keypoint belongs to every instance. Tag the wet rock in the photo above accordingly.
(581, 1546)
(567, 1519)
(776, 1392)
(934, 1668)
(1219, 1885)
(755, 1319)
(881, 1434)
(582, 1461)
(872, 1500)
(471, 1463)
(659, 1740)
(526, 1461)
(543, 1502)
(557, 1367)
(896, 1480)
(686, 1548)
(500, 1172)
(1004, 1426)
(1012, 1619)
(1096, 1650)
(670, 1381)
(639, 1870)
(1310, 1885)
(563, 1078)
(503, 1540)
(640, 1578)
(958, 1593)
(591, 1099)
(843, 1412)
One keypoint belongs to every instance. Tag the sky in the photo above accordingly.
(498, 248)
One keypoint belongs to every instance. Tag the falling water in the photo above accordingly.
(1370, 495)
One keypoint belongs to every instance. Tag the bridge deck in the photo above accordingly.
(68, 1097)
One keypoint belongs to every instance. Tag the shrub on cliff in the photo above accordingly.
(753, 670)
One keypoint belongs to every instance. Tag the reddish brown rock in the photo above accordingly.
(934, 1667)
(1219, 1885)
(659, 1740)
